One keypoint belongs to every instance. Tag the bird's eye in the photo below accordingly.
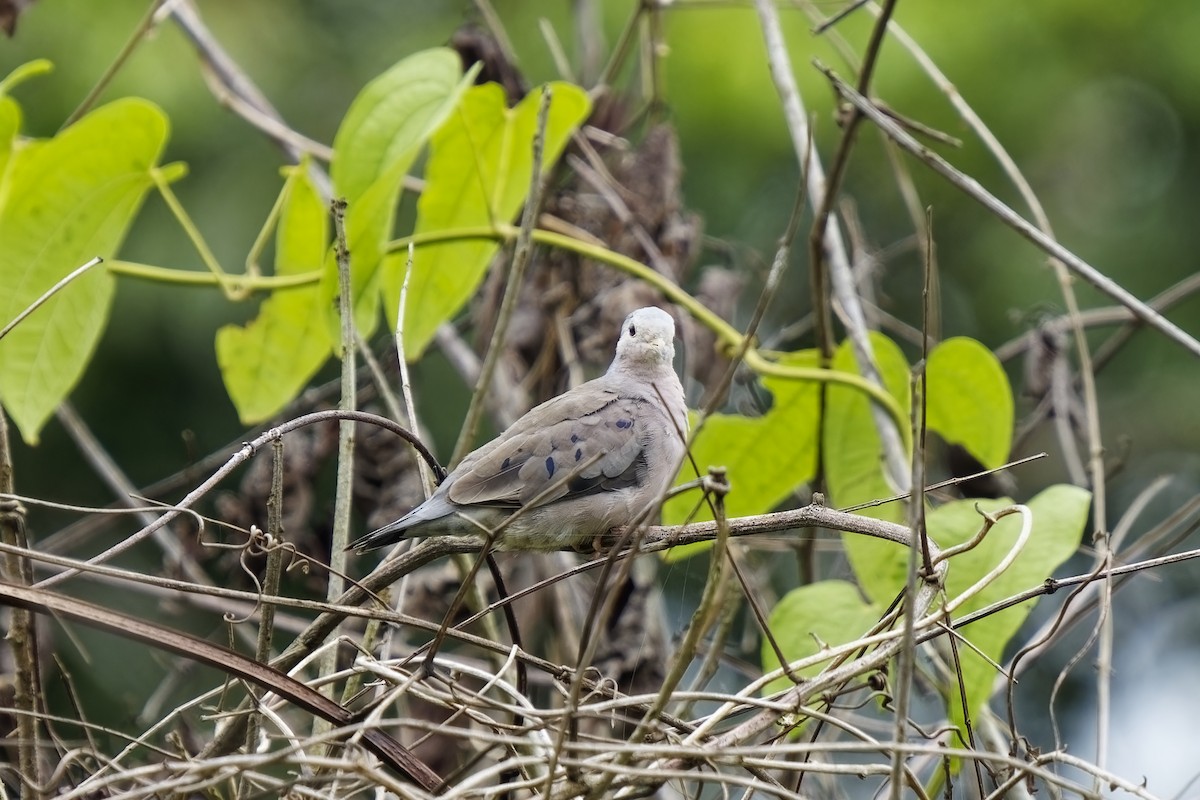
(632, 331)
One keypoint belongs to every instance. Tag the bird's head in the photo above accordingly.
(647, 339)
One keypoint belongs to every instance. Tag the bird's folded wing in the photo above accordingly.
(586, 444)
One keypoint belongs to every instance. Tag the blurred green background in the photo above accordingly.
(1099, 104)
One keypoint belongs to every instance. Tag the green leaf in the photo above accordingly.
(10, 111)
(267, 363)
(385, 128)
(853, 455)
(392, 117)
(835, 613)
(765, 457)
(10, 126)
(854, 466)
(1059, 515)
(968, 399)
(67, 200)
(832, 611)
(479, 173)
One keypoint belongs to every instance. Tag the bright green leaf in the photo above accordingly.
(479, 173)
(303, 233)
(853, 455)
(854, 466)
(10, 126)
(268, 362)
(765, 457)
(10, 111)
(968, 399)
(391, 118)
(833, 612)
(1059, 515)
(67, 200)
(385, 128)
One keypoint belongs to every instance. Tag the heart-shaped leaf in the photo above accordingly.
(267, 363)
(68, 199)
(968, 400)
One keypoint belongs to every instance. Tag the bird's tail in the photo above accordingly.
(409, 525)
(388, 534)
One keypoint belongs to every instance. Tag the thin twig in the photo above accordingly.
(829, 246)
(700, 622)
(1096, 467)
(53, 290)
(410, 407)
(141, 32)
(838, 16)
(273, 569)
(919, 562)
(1052, 585)
(344, 491)
(512, 291)
(1113, 315)
(243, 454)
(27, 697)
(125, 492)
(975, 191)
(231, 75)
(232, 663)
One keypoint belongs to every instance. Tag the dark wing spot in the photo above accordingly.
(624, 423)
(549, 466)
(630, 478)
(578, 453)
(507, 461)
(574, 438)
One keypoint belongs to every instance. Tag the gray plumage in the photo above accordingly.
(575, 466)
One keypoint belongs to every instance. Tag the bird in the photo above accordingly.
(593, 458)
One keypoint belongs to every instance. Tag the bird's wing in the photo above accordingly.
(586, 441)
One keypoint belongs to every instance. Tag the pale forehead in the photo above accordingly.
(651, 317)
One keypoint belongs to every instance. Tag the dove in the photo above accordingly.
(593, 458)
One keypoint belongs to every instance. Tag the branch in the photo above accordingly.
(975, 191)
(228, 661)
